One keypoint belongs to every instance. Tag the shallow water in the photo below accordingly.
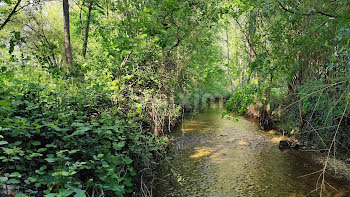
(220, 157)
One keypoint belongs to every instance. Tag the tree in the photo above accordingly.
(67, 43)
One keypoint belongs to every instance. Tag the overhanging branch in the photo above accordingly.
(304, 14)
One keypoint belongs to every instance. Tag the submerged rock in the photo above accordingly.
(284, 144)
(288, 144)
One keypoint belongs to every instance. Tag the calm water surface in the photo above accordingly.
(220, 157)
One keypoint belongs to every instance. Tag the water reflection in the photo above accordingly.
(220, 157)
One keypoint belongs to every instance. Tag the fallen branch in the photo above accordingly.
(322, 187)
(312, 94)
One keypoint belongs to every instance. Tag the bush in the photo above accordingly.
(240, 100)
(63, 139)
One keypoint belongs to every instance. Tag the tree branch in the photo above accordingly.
(246, 37)
(293, 12)
(14, 10)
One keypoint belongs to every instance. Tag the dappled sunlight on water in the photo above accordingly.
(189, 129)
(277, 139)
(201, 152)
(220, 157)
(243, 142)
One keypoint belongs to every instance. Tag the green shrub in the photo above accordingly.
(61, 138)
(240, 100)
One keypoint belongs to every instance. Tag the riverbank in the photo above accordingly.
(338, 165)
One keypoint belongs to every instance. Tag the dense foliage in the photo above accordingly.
(93, 123)
(58, 136)
(90, 88)
(297, 55)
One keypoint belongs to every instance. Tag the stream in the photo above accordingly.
(218, 157)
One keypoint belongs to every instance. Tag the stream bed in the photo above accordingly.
(218, 157)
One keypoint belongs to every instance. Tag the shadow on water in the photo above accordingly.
(220, 157)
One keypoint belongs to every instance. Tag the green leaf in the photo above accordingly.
(50, 160)
(5, 104)
(3, 179)
(78, 192)
(77, 124)
(60, 173)
(3, 143)
(13, 181)
(52, 145)
(8, 1)
(15, 174)
(42, 150)
(128, 160)
(80, 131)
(64, 192)
(100, 155)
(120, 145)
(36, 143)
(21, 195)
(32, 179)
(73, 151)
(43, 168)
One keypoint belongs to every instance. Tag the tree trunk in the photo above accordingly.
(81, 21)
(265, 118)
(87, 30)
(67, 44)
(228, 59)
(107, 8)
(243, 79)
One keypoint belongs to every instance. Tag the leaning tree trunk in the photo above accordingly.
(87, 30)
(67, 44)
